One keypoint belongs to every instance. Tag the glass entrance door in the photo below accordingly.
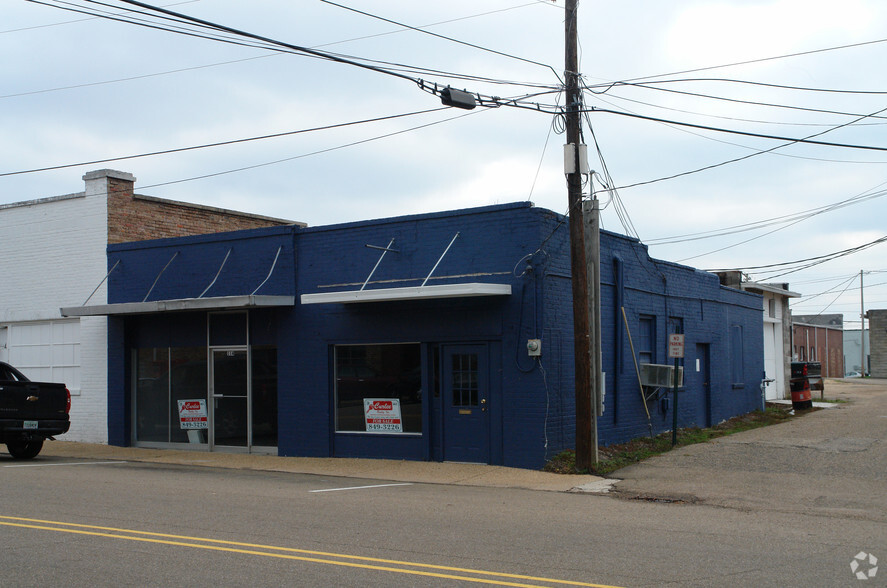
(229, 397)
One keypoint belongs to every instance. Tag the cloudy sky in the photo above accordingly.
(695, 106)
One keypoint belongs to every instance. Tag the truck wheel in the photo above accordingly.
(24, 449)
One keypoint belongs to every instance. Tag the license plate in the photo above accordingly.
(30, 425)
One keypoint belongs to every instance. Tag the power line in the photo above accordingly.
(444, 37)
(56, 24)
(789, 141)
(318, 152)
(138, 77)
(760, 224)
(277, 53)
(258, 41)
(609, 85)
(817, 260)
(734, 144)
(835, 299)
(754, 103)
(220, 143)
(825, 257)
(786, 123)
(179, 17)
(807, 140)
(761, 60)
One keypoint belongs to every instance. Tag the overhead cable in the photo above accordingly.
(318, 152)
(452, 40)
(761, 60)
(220, 143)
(609, 85)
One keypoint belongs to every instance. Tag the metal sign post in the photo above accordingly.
(675, 350)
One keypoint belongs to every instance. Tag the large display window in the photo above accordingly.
(164, 377)
(171, 404)
(378, 388)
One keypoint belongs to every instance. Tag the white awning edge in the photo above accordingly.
(410, 293)
(156, 306)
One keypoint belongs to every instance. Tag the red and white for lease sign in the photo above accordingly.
(382, 415)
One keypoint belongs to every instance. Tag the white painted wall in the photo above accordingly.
(773, 346)
(52, 254)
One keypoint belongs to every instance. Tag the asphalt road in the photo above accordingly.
(790, 505)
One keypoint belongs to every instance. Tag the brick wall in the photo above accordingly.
(56, 257)
(531, 403)
(132, 217)
(878, 341)
(822, 344)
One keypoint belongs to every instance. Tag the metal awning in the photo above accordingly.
(183, 304)
(421, 292)
(409, 293)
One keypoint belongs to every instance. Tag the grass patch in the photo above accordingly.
(618, 456)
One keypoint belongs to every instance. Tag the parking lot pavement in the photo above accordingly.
(829, 462)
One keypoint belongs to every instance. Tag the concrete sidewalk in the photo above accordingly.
(375, 469)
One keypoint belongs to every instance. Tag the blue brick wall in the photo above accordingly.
(193, 263)
(707, 311)
(490, 242)
(532, 408)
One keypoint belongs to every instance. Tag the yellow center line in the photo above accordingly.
(286, 553)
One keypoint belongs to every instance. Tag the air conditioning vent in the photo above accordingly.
(657, 375)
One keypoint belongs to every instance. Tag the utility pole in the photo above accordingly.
(573, 171)
(861, 328)
(591, 213)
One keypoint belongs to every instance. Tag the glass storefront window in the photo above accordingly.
(187, 383)
(164, 376)
(171, 396)
(264, 390)
(378, 372)
(152, 394)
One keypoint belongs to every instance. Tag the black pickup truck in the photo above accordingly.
(30, 412)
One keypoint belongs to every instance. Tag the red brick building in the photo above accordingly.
(820, 338)
(133, 217)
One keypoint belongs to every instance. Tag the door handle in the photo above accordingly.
(483, 405)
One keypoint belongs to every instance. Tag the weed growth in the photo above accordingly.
(614, 457)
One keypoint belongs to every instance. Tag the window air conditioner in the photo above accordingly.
(657, 375)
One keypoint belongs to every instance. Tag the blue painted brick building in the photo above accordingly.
(407, 338)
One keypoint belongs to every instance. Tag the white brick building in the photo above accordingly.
(54, 255)
(777, 330)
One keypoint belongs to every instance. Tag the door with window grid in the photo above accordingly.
(466, 426)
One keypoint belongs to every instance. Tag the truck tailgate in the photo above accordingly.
(32, 400)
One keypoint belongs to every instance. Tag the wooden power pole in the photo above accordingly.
(573, 171)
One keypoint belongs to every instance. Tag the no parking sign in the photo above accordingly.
(676, 346)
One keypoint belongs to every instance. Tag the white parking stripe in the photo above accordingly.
(361, 487)
(75, 463)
